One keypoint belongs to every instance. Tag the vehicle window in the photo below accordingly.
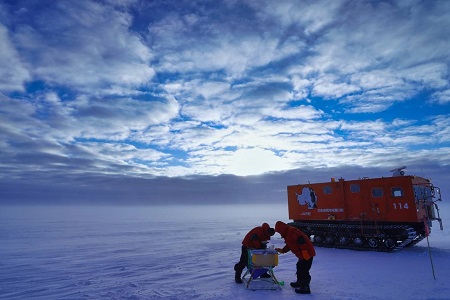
(377, 192)
(354, 188)
(422, 192)
(327, 190)
(397, 192)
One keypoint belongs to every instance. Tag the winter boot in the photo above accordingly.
(237, 277)
(296, 284)
(303, 290)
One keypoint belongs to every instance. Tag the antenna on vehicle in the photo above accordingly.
(398, 171)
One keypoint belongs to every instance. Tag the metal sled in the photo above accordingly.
(260, 262)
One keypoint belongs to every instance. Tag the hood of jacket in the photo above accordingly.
(281, 228)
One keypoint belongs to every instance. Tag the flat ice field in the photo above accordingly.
(172, 252)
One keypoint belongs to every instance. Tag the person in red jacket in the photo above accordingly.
(257, 238)
(297, 242)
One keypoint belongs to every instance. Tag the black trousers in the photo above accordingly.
(303, 267)
(240, 266)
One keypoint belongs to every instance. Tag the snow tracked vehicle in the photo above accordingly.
(380, 214)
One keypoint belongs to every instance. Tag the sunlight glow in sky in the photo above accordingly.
(178, 88)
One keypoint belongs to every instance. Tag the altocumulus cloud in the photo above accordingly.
(124, 100)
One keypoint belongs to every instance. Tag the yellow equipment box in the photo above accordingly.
(264, 258)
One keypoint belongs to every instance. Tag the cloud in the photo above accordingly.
(328, 88)
(92, 189)
(117, 117)
(83, 133)
(84, 45)
(302, 112)
(226, 44)
(140, 89)
(441, 97)
(13, 72)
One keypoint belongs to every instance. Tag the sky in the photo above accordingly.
(148, 100)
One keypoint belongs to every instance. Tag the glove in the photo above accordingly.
(306, 255)
(280, 250)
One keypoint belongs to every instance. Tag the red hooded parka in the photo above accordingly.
(257, 235)
(296, 241)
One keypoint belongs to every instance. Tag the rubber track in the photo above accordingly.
(406, 235)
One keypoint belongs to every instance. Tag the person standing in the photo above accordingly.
(297, 242)
(257, 238)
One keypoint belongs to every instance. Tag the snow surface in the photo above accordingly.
(67, 252)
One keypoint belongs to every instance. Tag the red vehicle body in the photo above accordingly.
(383, 214)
